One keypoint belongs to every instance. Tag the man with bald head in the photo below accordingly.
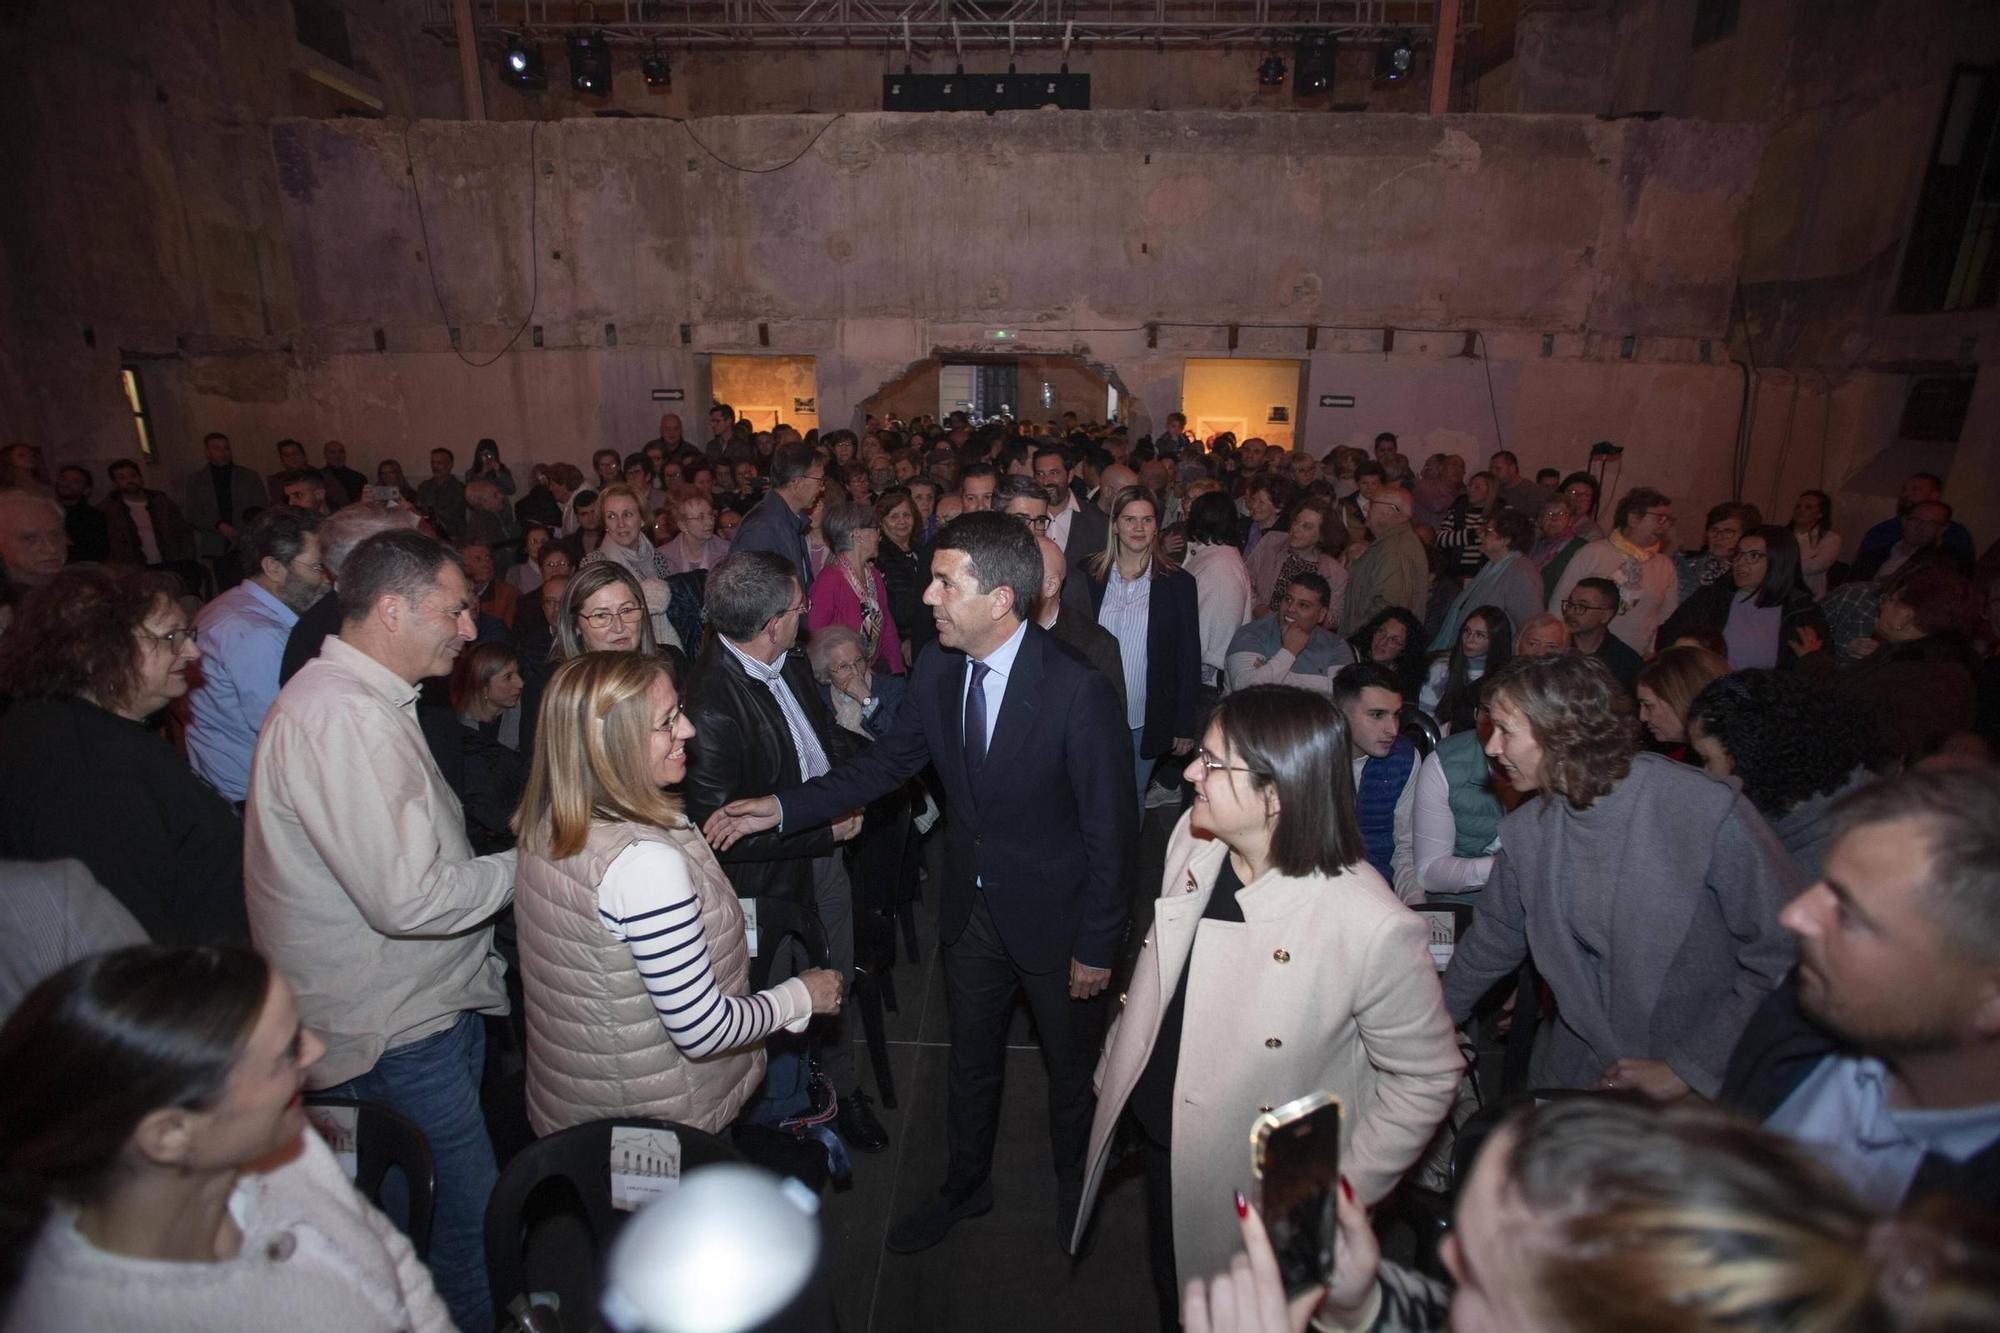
(1111, 481)
(1393, 570)
(1077, 628)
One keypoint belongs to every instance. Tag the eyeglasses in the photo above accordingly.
(805, 605)
(627, 612)
(1039, 522)
(673, 719)
(841, 668)
(1214, 765)
(174, 638)
(1658, 513)
(1750, 557)
(1582, 606)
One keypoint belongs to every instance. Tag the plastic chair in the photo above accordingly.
(572, 1167)
(384, 1138)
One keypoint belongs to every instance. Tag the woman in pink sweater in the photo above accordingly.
(849, 590)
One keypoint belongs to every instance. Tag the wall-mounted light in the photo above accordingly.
(521, 64)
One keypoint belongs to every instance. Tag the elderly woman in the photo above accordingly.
(1279, 964)
(1621, 856)
(696, 546)
(157, 1152)
(1712, 563)
(627, 924)
(862, 700)
(626, 545)
(849, 589)
(92, 656)
(1508, 580)
(1150, 606)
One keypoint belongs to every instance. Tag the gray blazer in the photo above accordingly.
(246, 491)
(1653, 916)
(51, 914)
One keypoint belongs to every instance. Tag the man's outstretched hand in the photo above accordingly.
(739, 819)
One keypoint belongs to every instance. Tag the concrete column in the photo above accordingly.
(468, 60)
(1441, 54)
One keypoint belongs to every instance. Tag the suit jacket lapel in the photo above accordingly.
(1019, 705)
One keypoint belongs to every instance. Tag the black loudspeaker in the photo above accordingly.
(1313, 57)
(985, 92)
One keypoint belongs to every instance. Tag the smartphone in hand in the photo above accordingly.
(1294, 1171)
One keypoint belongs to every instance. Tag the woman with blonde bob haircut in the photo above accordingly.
(627, 924)
(1625, 857)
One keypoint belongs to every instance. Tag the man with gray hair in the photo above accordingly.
(363, 890)
(338, 536)
(34, 541)
(1393, 571)
(760, 724)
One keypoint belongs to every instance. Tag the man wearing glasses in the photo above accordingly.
(1635, 558)
(1587, 611)
(761, 725)
(778, 522)
(243, 634)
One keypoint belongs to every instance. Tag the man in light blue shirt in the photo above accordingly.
(243, 634)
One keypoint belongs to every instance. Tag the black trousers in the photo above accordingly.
(981, 980)
(1158, 1161)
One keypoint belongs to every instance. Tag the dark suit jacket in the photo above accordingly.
(1045, 833)
(1097, 644)
(1173, 660)
(246, 492)
(1710, 607)
(1087, 534)
(1780, 1047)
(772, 526)
(741, 747)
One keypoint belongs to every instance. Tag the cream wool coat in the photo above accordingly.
(1326, 985)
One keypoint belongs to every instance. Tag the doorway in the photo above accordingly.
(1029, 387)
(768, 391)
(1245, 396)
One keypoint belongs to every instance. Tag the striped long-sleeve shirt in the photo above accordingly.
(647, 900)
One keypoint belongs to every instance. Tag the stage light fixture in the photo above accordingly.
(1313, 58)
(521, 64)
(657, 73)
(1396, 59)
(1271, 74)
(589, 63)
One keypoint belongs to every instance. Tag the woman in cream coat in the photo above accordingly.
(1279, 964)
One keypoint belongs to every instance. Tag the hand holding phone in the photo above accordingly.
(1295, 1172)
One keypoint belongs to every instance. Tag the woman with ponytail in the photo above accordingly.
(156, 1171)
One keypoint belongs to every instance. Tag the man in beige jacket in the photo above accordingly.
(364, 892)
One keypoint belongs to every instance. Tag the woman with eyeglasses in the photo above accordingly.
(1760, 608)
(602, 611)
(92, 658)
(1278, 964)
(635, 963)
(627, 545)
(850, 591)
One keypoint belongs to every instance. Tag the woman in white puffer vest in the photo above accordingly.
(634, 959)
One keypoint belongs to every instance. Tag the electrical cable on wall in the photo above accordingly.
(534, 248)
(757, 171)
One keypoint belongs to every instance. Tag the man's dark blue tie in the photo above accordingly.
(975, 723)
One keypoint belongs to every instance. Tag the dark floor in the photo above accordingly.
(1005, 1270)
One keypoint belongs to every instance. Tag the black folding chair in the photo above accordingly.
(386, 1139)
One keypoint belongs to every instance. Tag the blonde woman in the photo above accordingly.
(634, 958)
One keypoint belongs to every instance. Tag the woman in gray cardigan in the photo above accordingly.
(1647, 892)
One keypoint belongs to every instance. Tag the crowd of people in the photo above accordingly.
(320, 784)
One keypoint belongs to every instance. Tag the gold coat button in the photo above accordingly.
(1282, 955)
(1263, 1110)
(1121, 997)
(1273, 1043)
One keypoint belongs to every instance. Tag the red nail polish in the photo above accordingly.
(1242, 1205)
(1346, 1190)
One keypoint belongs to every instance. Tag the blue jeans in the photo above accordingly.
(435, 1082)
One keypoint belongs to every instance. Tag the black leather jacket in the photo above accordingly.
(742, 747)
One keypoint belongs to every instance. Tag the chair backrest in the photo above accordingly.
(1421, 728)
(384, 1139)
(575, 1165)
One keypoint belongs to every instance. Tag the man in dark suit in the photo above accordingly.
(778, 522)
(1034, 759)
(1097, 644)
(1079, 529)
(761, 725)
(215, 500)
(1892, 1082)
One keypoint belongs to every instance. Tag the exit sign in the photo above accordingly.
(1336, 400)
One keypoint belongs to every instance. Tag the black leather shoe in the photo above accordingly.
(928, 1225)
(858, 1125)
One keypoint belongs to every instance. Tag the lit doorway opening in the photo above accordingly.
(1244, 396)
(768, 391)
(1028, 388)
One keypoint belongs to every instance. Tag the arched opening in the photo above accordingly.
(1039, 387)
